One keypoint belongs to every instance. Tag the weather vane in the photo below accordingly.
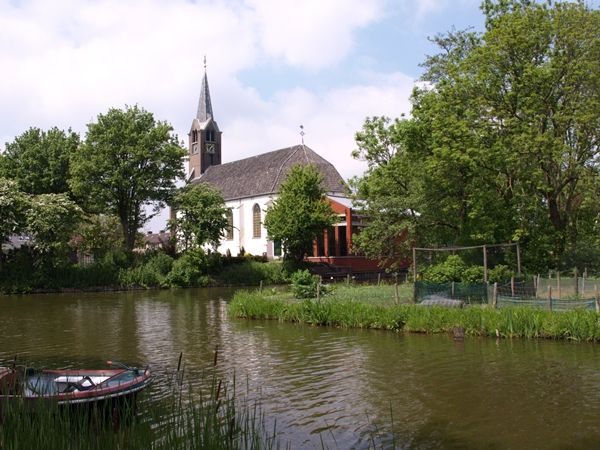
(205, 62)
(302, 133)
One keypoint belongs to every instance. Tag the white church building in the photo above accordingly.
(250, 185)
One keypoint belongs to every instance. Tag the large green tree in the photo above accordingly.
(13, 205)
(52, 220)
(128, 161)
(39, 160)
(504, 136)
(201, 216)
(300, 212)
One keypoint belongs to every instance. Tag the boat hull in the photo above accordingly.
(72, 387)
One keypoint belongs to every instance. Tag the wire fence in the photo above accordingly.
(548, 293)
(536, 293)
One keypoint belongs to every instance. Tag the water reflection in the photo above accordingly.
(337, 386)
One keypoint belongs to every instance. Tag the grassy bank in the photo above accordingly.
(356, 308)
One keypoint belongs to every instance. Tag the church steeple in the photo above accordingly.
(204, 136)
(204, 105)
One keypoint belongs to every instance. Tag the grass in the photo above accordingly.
(373, 307)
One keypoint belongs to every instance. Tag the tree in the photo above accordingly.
(13, 204)
(39, 160)
(201, 216)
(51, 221)
(508, 127)
(99, 234)
(300, 212)
(127, 161)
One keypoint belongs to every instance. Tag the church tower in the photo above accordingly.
(204, 137)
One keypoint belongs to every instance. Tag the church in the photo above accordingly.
(250, 185)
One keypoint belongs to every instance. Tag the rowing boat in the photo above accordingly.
(72, 387)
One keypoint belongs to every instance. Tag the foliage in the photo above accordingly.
(455, 269)
(51, 221)
(128, 160)
(152, 273)
(499, 274)
(201, 216)
(98, 235)
(248, 272)
(13, 204)
(300, 212)
(502, 141)
(189, 270)
(39, 160)
(304, 284)
(452, 269)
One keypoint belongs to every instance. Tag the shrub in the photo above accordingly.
(499, 273)
(305, 285)
(161, 263)
(189, 270)
(248, 272)
(450, 270)
(472, 275)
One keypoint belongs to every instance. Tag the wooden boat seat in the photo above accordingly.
(70, 383)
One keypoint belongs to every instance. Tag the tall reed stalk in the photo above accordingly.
(211, 417)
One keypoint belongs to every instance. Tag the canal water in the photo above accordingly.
(343, 388)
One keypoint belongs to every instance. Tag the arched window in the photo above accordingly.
(229, 230)
(256, 221)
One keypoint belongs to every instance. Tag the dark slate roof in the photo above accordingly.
(204, 105)
(263, 174)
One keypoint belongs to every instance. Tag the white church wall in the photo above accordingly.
(243, 227)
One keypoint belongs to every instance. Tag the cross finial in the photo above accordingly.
(302, 133)
(205, 63)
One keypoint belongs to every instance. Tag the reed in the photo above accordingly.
(578, 325)
(212, 417)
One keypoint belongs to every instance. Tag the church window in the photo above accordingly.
(210, 135)
(277, 248)
(229, 230)
(194, 136)
(256, 221)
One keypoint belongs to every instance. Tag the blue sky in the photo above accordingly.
(398, 41)
(272, 65)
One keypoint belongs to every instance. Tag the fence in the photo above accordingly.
(548, 293)
(467, 293)
(538, 293)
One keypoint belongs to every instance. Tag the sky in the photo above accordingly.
(272, 65)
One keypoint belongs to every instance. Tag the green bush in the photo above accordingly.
(499, 274)
(189, 270)
(472, 275)
(248, 272)
(450, 270)
(305, 285)
(455, 269)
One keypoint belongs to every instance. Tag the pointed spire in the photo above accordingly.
(204, 104)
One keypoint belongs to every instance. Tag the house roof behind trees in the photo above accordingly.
(263, 174)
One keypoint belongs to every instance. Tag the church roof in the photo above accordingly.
(263, 174)
(204, 105)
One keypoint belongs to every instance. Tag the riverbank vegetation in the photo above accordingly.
(215, 416)
(377, 308)
(149, 271)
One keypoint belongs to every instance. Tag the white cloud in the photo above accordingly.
(312, 33)
(63, 62)
(330, 120)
